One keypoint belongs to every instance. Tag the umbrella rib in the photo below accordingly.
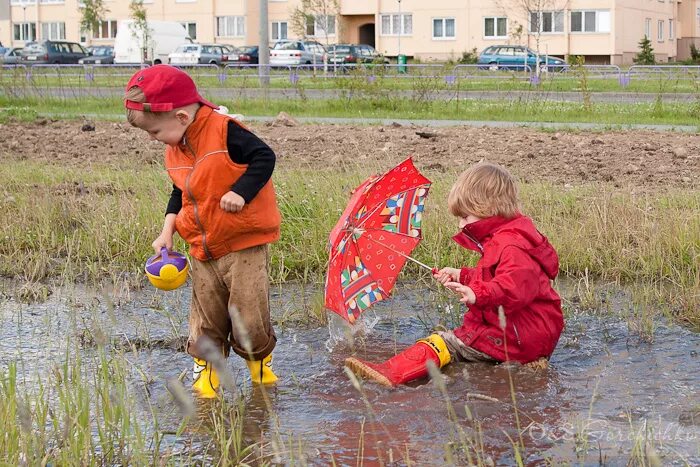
(399, 253)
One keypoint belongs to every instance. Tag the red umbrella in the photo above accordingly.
(371, 242)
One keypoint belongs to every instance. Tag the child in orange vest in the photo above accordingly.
(223, 204)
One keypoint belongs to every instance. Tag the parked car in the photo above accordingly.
(99, 55)
(291, 53)
(53, 52)
(516, 56)
(247, 55)
(193, 54)
(354, 54)
(11, 56)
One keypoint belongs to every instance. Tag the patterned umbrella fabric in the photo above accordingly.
(371, 242)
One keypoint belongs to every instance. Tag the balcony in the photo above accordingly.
(358, 7)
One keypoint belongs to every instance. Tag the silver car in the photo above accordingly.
(11, 56)
(195, 54)
(293, 53)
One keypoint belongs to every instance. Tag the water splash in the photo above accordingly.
(340, 332)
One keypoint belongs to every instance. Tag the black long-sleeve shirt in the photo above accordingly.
(243, 148)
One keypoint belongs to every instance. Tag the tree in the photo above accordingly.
(646, 53)
(92, 13)
(139, 27)
(313, 16)
(542, 16)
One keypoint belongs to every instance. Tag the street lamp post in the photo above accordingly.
(25, 26)
(400, 27)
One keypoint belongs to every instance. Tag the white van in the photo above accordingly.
(165, 36)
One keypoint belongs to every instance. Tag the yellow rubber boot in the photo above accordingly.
(206, 381)
(261, 370)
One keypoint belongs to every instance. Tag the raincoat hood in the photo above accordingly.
(518, 231)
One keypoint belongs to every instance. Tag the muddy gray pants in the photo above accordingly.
(461, 352)
(230, 304)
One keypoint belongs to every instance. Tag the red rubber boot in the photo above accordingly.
(409, 365)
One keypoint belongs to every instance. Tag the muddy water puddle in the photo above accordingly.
(606, 392)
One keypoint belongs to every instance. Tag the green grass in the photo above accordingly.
(69, 224)
(676, 81)
(374, 104)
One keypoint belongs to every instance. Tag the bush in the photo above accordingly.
(694, 53)
(469, 57)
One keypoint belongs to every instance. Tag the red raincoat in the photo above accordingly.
(514, 271)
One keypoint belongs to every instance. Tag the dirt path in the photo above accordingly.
(627, 159)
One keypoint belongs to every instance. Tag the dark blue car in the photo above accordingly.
(515, 57)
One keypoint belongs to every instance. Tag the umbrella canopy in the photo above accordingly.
(371, 242)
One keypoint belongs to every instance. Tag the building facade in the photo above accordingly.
(604, 31)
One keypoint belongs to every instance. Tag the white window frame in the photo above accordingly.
(53, 30)
(111, 34)
(276, 30)
(401, 21)
(25, 30)
(597, 28)
(232, 23)
(52, 2)
(540, 21)
(444, 20)
(647, 28)
(317, 28)
(671, 28)
(660, 30)
(495, 27)
(186, 25)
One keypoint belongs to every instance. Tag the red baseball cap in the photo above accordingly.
(166, 88)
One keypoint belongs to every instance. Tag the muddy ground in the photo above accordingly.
(639, 160)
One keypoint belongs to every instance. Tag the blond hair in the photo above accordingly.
(135, 94)
(484, 190)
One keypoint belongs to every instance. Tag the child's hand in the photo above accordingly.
(163, 240)
(446, 275)
(467, 293)
(232, 202)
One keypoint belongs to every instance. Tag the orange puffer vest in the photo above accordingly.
(201, 167)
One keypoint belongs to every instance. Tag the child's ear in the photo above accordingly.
(182, 116)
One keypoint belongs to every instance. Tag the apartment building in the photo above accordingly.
(605, 31)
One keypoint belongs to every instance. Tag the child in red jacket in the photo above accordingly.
(513, 314)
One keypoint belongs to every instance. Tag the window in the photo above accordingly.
(443, 28)
(647, 28)
(495, 27)
(394, 24)
(590, 21)
(53, 31)
(321, 25)
(660, 31)
(231, 26)
(52, 1)
(546, 22)
(279, 30)
(671, 31)
(191, 28)
(105, 30)
(24, 31)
